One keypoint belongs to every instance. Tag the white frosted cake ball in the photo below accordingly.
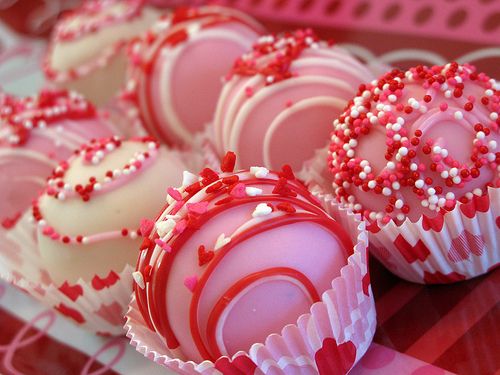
(90, 212)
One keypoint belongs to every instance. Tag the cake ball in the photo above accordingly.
(87, 48)
(417, 142)
(234, 257)
(278, 100)
(175, 70)
(35, 134)
(90, 212)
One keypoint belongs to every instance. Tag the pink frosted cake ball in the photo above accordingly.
(415, 143)
(234, 257)
(90, 211)
(176, 68)
(87, 49)
(35, 134)
(278, 101)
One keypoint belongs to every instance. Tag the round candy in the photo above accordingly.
(279, 99)
(176, 68)
(233, 258)
(89, 215)
(87, 49)
(414, 143)
(35, 134)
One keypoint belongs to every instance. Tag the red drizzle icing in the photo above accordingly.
(297, 205)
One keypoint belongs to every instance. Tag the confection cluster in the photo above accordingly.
(219, 186)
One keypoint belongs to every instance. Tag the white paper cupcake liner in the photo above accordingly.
(330, 339)
(98, 306)
(463, 245)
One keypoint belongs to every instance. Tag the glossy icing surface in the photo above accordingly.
(90, 212)
(279, 99)
(176, 69)
(249, 249)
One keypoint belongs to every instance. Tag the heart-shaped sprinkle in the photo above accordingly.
(204, 256)
(253, 191)
(190, 282)
(197, 208)
(238, 191)
(188, 178)
(228, 162)
(221, 241)
(259, 172)
(146, 227)
(164, 227)
(262, 209)
(163, 245)
(174, 193)
(180, 226)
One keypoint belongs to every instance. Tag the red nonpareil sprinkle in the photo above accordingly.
(228, 162)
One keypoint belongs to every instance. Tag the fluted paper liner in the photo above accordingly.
(329, 339)
(462, 244)
(97, 306)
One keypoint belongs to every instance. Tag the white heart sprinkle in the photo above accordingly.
(253, 191)
(163, 227)
(262, 209)
(188, 178)
(259, 172)
(221, 241)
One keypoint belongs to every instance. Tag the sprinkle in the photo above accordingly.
(139, 279)
(204, 256)
(146, 227)
(164, 227)
(228, 162)
(188, 178)
(190, 282)
(286, 207)
(174, 193)
(259, 172)
(238, 191)
(221, 241)
(262, 209)
(163, 245)
(198, 208)
(253, 191)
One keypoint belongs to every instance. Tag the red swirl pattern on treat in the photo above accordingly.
(414, 143)
(281, 95)
(173, 58)
(253, 203)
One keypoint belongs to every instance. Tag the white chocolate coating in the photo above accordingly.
(121, 207)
